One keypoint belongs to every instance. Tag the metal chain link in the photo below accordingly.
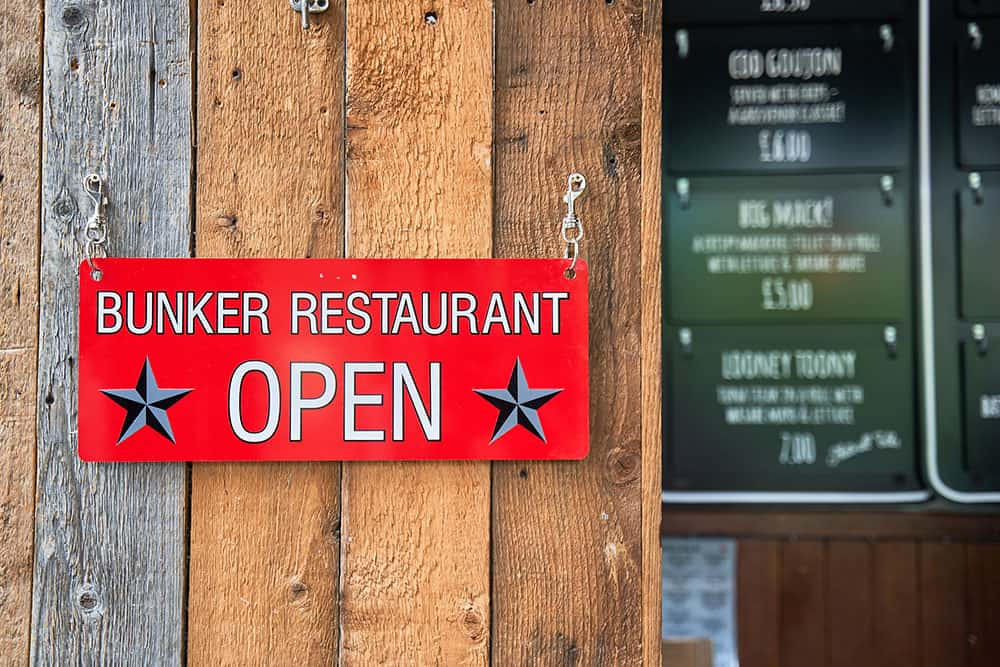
(571, 231)
(95, 232)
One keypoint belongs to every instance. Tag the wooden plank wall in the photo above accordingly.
(391, 128)
(110, 540)
(893, 590)
(416, 537)
(20, 91)
(269, 183)
(652, 314)
(578, 71)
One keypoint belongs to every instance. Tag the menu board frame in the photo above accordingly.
(670, 329)
(945, 330)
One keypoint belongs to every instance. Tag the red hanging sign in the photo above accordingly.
(232, 360)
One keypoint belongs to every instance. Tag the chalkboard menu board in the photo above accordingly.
(787, 99)
(961, 233)
(679, 12)
(789, 180)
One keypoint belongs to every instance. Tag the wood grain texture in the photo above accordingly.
(845, 524)
(803, 616)
(758, 601)
(109, 539)
(20, 87)
(850, 604)
(983, 591)
(896, 603)
(943, 604)
(416, 536)
(652, 367)
(568, 539)
(265, 537)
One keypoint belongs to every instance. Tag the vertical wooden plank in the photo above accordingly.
(20, 79)
(896, 603)
(264, 537)
(803, 604)
(850, 607)
(942, 604)
(758, 602)
(983, 562)
(567, 536)
(416, 535)
(109, 539)
(652, 381)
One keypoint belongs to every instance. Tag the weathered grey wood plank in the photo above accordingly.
(20, 76)
(109, 539)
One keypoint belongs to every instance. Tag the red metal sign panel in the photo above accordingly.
(231, 360)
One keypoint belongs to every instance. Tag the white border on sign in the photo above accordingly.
(927, 278)
(819, 497)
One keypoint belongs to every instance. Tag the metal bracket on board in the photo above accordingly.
(887, 36)
(976, 35)
(979, 336)
(307, 7)
(976, 185)
(890, 336)
(684, 192)
(887, 184)
(683, 41)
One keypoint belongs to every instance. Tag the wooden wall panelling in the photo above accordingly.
(568, 536)
(20, 83)
(896, 600)
(416, 536)
(109, 539)
(264, 536)
(652, 369)
(803, 616)
(850, 604)
(943, 604)
(983, 592)
(758, 601)
(846, 524)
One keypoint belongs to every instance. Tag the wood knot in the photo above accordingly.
(227, 221)
(89, 602)
(64, 207)
(568, 648)
(473, 624)
(297, 589)
(74, 18)
(623, 466)
(23, 79)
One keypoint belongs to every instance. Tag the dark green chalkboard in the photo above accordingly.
(792, 249)
(961, 272)
(808, 409)
(789, 207)
(786, 99)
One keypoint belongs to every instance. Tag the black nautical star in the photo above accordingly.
(518, 404)
(146, 405)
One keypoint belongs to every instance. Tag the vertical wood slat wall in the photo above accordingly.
(20, 72)
(269, 183)
(225, 130)
(109, 540)
(860, 590)
(415, 540)
(568, 97)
